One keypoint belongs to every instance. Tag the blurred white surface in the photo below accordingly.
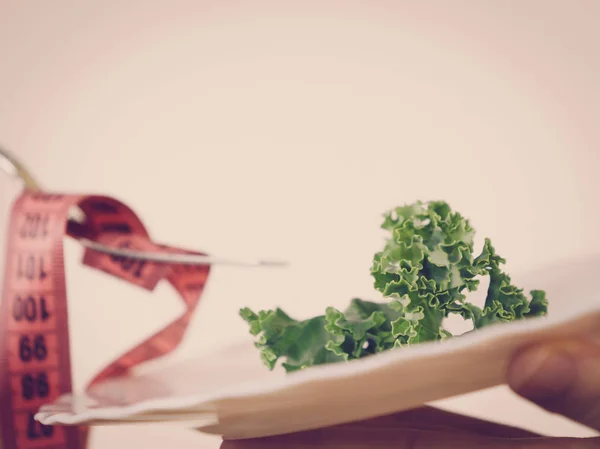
(284, 129)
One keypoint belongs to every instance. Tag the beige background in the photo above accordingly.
(284, 129)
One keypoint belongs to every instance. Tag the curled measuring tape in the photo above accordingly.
(35, 363)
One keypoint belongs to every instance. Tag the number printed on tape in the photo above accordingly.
(35, 359)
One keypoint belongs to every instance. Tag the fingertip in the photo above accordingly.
(541, 372)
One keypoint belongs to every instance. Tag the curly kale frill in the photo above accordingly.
(424, 271)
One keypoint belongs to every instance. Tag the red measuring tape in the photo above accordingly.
(35, 364)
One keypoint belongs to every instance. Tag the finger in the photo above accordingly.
(370, 438)
(428, 419)
(561, 378)
(431, 418)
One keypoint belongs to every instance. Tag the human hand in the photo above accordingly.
(563, 378)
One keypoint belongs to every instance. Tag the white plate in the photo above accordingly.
(233, 395)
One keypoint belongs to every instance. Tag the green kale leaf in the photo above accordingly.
(424, 271)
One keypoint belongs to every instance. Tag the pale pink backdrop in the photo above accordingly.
(284, 129)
